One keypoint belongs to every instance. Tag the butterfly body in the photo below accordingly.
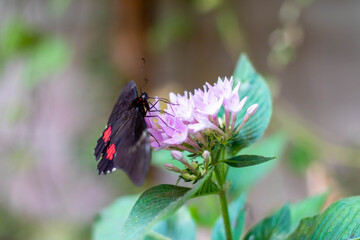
(124, 143)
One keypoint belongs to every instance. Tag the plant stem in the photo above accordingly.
(223, 203)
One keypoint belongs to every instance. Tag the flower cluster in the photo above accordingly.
(190, 121)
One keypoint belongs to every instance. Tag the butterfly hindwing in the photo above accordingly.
(133, 153)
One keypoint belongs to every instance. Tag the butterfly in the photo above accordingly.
(124, 144)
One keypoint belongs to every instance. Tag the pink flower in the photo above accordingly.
(233, 104)
(202, 122)
(208, 102)
(225, 88)
(177, 132)
(182, 106)
(166, 129)
(190, 120)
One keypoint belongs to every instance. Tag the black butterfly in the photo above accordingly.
(125, 143)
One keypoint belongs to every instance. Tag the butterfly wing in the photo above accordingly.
(133, 151)
(124, 143)
(125, 99)
(128, 94)
(129, 150)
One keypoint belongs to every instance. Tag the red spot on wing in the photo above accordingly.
(107, 134)
(110, 151)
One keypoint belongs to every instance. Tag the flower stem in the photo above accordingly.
(223, 203)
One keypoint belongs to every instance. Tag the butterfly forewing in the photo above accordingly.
(124, 143)
(124, 102)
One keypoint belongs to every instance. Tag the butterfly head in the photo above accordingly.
(142, 103)
(144, 97)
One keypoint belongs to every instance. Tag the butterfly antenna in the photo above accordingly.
(142, 73)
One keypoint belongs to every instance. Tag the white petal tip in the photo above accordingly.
(252, 109)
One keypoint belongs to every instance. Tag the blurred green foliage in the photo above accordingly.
(50, 56)
(112, 217)
(229, 30)
(58, 7)
(243, 179)
(16, 37)
(205, 6)
(301, 154)
(174, 26)
(288, 37)
(14, 227)
(205, 210)
(181, 23)
(43, 54)
(19, 227)
(15, 111)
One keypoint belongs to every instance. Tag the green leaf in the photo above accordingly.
(208, 187)
(177, 227)
(111, 218)
(154, 205)
(340, 221)
(237, 220)
(243, 178)
(246, 160)
(151, 235)
(255, 88)
(306, 208)
(273, 227)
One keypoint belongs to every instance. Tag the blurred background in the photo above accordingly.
(63, 63)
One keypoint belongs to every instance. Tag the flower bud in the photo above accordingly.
(172, 168)
(206, 155)
(177, 155)
(250, 111)
(207, 158)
